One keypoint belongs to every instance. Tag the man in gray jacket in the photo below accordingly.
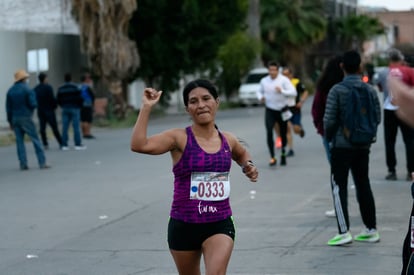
(346, 156)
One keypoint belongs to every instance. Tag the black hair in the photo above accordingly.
(273, 63)
(203, 83)
(351, 61)
(331, 74)
(42, 77)
(68, 77)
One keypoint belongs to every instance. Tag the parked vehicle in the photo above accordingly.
(248, 90)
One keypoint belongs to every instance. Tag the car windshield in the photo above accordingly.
(255, 78)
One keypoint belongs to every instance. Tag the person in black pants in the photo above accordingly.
(347, 157)
(391, 121)
(47, 105)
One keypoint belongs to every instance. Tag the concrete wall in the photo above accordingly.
(63, 53)
(43, 16)
(11, 46)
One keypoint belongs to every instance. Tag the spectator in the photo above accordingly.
(391, 120)
(20, 104)
(47, 105)
(87, 106)
(70, 100)
(346, 156)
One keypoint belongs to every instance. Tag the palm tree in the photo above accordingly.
(103, 27)
(353, 30)
(289, 28)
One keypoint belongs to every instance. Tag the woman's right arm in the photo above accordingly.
(156, 144)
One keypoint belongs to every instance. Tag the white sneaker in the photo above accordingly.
(64, 148)
(330, 213)
(80, 147)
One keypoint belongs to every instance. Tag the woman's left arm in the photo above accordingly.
(242, 157)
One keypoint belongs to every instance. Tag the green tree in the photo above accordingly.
(181, 37)
(235, 58)
(289, 28)
(353, 30)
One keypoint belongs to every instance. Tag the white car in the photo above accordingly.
(248, 90)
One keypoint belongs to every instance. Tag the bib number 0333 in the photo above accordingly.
(210, 186)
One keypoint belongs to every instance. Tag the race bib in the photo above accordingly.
(210, 186)
(286, 115)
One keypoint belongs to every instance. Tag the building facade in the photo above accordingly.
(37, 36)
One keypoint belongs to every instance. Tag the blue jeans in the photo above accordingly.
(71, 115)
(25, 125)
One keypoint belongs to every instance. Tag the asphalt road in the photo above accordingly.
(105, 210)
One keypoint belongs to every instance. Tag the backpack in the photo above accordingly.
(87, 99)
(360, 118)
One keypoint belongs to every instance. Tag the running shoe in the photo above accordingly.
(341, 239)
(302, 133)
(80, 147)
(391, 176)
(283, 160)
(330, 213)
(368, 235)
(290, 153)
(272, 162)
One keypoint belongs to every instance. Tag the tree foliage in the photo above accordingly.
(290, 27)
(235, 58)
(353, 30)
(178, 37)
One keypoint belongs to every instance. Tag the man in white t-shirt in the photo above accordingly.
(274, 90)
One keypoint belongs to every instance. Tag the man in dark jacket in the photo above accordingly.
(346, 156)
(20, 104)
(70, 100)
(47, 105)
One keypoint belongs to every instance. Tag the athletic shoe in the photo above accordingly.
(341, 239)
(302, 133)
(368, 235)
(391, 176)
(283, 160)
(24, 167)
(290, 153)
(330, 213)
(80, 147)
(272, 162)
(64, 148)
(45, 166)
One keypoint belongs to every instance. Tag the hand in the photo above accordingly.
(151, 96)
(278, 89)
(250, 170)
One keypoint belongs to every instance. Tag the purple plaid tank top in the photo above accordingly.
(195, 159)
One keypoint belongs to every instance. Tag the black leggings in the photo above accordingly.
(271, 118)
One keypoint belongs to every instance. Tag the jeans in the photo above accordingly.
(22, 126)
(356, 160)
(48, 117)
(71, 115)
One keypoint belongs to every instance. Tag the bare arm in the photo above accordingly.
(156, 144)
(242, 157)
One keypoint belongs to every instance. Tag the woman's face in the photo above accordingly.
(202, 106)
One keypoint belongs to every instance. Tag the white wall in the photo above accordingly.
(11, 46)
(46, 16)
